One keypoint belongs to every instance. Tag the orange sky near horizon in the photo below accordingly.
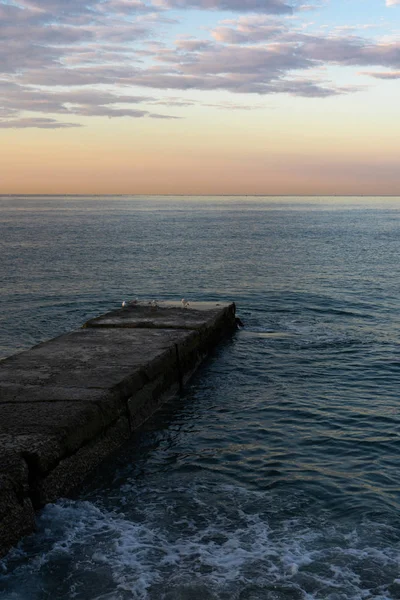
(265, 152)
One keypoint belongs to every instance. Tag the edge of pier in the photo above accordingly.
(67, 403)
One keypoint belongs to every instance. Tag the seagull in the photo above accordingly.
(184, 303)
(123, 304)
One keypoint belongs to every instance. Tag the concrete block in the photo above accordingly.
(165, 315)
(72, 470)
(16, 510)
(69, 402)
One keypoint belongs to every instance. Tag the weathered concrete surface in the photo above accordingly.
(67, 403)
(165, 315)
(16, 510)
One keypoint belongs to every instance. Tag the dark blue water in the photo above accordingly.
(277, 474)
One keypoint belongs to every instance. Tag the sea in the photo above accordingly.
(275, 475)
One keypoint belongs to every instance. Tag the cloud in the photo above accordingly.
(309, 88)
(128, 7)
(82, 58)
(349, 51)
(241, 83)
(267, 61)
(107, 111)
(308, 7)
(177, 102)
(89, 103)
(276, 7)
(60, 7)
(38, 122)
(156, 116)
(250, 30)
(382, 74)
(259, 55)
(45, 33)
(346, 50)
(392, 2)
(192, 45)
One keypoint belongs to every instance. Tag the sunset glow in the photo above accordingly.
(199, 97)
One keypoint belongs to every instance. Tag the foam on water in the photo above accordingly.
(180, 547)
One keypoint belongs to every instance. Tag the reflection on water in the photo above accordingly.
(276, 474)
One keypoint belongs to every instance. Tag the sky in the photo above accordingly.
(200, 97)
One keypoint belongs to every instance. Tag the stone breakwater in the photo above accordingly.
(67, 403)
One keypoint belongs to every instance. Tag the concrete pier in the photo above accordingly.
(67, 403)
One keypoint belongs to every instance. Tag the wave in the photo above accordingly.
(173, 543)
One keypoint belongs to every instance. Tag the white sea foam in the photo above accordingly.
(233, 550)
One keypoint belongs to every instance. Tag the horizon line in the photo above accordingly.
(2, 195)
